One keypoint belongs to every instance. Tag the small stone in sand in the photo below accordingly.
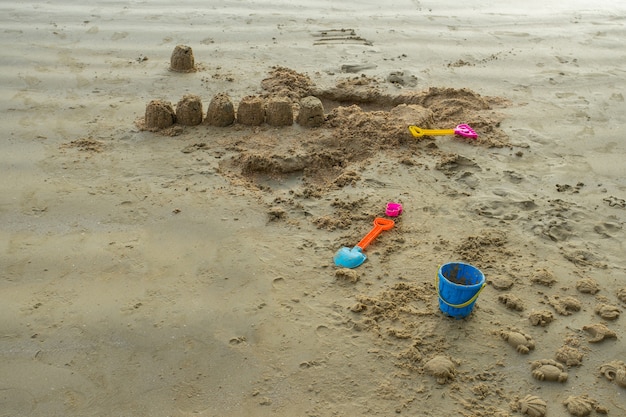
(159, 115)
(189, 110)
(279, 112)
(182, 59)
(541, 317)
(311, 112)
(587, 286)
(621, 294)
(250, 111)
(221, 111)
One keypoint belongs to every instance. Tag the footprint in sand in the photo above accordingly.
(607, 229)
(555, 230)
(453, 164)
(322, 331)
(278, 283)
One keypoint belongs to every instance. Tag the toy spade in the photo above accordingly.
(353, 257)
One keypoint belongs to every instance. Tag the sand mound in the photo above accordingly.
(182, 59)
(279, 112)
(251, 111)
(285, 82)
(311, 112)
(221, 112)
(159, 115)
(189, 110)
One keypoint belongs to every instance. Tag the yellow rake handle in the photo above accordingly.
(462, 130)
(419, 132)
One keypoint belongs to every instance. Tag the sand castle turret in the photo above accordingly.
(251, 111)
(279, 112)
(311, 112)
(221, 111)
(182, 59)
(189, 110)
(159, 115)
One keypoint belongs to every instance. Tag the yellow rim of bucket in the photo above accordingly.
(465, 304)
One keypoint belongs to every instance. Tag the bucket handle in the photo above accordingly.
(465, 304)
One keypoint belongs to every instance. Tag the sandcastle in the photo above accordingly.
(251, 111)
(279, 112)
(159, 115)
(182, 59)
(221, 112)
(311, 112)
(189, 110)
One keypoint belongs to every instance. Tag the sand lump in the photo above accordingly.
(159, 115)
(615, 371)
(311, 112)
(182, 59)
(221, 111)
(251, 111)
(189, 110)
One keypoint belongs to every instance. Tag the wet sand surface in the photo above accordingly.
(189, 270)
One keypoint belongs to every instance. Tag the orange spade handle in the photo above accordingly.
(380, 224)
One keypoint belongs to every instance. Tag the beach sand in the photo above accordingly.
(189, 270)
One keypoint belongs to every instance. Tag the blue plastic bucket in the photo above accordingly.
(458, 286)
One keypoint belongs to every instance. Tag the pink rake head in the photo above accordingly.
(465, 131)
